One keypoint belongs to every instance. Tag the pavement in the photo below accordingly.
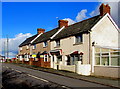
(86, 81)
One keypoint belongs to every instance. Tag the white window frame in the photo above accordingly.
(27, 47)
(80, 37)
(34, 46)
(20, 57)
(26, 57)
(109, 56)
(20, 48)
(45, 45)
(46, 56)
(56, 42)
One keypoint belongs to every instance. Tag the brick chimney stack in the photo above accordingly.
(104, 9)
(40, 30)
(63, 23)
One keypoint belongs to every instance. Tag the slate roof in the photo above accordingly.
(77, 28)
(27, 41)
(45, 36)
(74, 29)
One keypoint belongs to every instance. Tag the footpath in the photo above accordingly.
(95, 79)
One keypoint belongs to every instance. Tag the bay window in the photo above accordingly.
(108, 58)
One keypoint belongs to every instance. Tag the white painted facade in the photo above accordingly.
(105, 33)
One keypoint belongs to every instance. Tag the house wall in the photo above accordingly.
(24, 50)
(105, 34)
(40, 48)
(107, 71)
(68, 46)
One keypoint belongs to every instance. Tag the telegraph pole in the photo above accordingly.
(4, 49)
(7, 47)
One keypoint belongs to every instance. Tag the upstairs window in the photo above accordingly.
(20, 48)
(34, 46)
(27, 47)
(79, 38)
(57, 43)
(45, 43)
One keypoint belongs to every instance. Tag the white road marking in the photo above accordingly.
(37, 78)
(18, 71)
(12, 69)
(65, 87)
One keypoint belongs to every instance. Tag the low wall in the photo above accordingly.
(36, 63)
(47, 64)
(83, 69)
(107, 71)
(67, 67)
(26, 62)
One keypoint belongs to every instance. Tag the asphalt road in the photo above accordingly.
(65, 82)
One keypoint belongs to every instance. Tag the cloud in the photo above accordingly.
(95, 12)
(70, 21)
(81, 15)
(13, 43)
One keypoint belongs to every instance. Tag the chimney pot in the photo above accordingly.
(63, 23)
(104, 9)
(40, 30)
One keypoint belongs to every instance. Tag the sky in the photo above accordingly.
(21, 19)
(26, 17)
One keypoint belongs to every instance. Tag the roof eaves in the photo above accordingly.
(57, 32)
(35, 38)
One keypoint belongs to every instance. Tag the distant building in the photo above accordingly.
(2, 58)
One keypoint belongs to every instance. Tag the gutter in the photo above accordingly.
(89, 47)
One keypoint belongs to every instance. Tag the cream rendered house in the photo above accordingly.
(89, 47)
(25, 48)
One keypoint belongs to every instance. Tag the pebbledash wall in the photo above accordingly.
(106, 35)
(68, 46)
(22, 51)
(41, 48)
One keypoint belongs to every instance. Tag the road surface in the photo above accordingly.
(65, 82)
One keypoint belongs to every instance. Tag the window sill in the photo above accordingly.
(79, 43)
(110, 66)
(57, 47)
(45, 47)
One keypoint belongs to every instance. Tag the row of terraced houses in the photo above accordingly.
(88, 47)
